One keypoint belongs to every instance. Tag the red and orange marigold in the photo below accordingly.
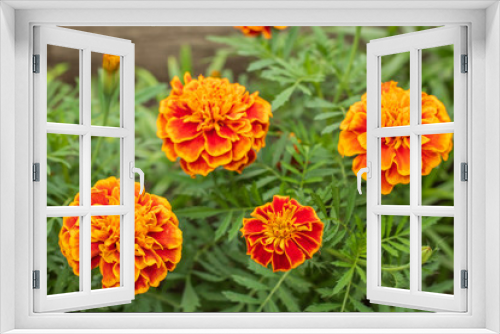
(283, 233)
(265, 31)
(210, 122)
(395, 154)
(158, 239)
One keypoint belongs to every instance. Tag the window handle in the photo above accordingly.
(139, 171)
(368, 171)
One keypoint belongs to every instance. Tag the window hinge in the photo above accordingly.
(465, 64)
(36, 279)
(36, 63)
(465, 279)
(36, 172)
(464, 171)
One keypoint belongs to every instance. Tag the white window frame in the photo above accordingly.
(414, 43)
(85, 43)
(483, 21)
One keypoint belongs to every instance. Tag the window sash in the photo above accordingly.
(86, 43)
(414, 297)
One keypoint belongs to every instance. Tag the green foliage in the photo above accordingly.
(311, 76)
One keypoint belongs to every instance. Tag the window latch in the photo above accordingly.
(139, 171)
(368, 171)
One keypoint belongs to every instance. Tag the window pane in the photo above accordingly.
(395, 92)
(395, 168)
(437, 85)
(63, 169)
(395, 252)
(106, 165)
(437, 254)
(105, 248)
(63, 255)
(105, 90)
(437, 169)
(63, 88)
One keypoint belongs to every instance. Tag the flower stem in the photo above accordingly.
(276, 287)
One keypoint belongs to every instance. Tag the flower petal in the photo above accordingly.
(252, 226)
(216, 145)
(294, 254)
(199, 166)
(190, 150)
(216, 161)
(241, 147)
(260, 111)
(180, 131)
(308, 245)
(279, 202)
(349, 144)
(281, 262)
(155, 274)
(260, 255)
(168, 148)
(305, 214)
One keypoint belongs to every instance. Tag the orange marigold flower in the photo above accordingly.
(395, 155)
(210, 122)
(110, 63)
(282, 232)
(158, 239)
(257, 31)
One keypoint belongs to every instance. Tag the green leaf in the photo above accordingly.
(249, 283)
(330, 128)
(259, 64)
(389, 249)
(290, 180)
(282, 98)
(240, 298)
(319, 203)
(361, 273)
(288, 299)
(336, 201)
(265, 180)
(237, 225)
(278, 148)
(400, 247)
(198, 212)
(173, 67)
(291, 168)
(351, 201)
(293, 32)
(256, 193)
(327, 115)
(343, 281)
(190, 300)
(221, 230)
(208, 277)
(326, 307)
(360, 306)
(148, 93)
(320, 172)
(260, 270)
(298, 284)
